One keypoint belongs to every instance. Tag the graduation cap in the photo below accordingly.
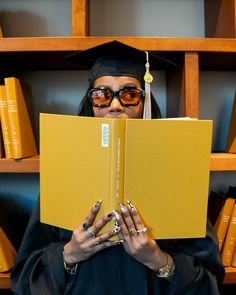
(118, 59)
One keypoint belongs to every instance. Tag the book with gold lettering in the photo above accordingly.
(22, 135)
(5, 123)
(222, 222)
(162, 166)
(7, 253)
(230, 240)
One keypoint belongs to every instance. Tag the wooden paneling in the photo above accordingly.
(80, 18)
(220, 18)
(5, 281)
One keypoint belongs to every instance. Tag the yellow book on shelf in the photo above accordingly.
(22, 136)
(7, 253)
(162, 166)
(5, 122)
(222, 222)
(230, 240)
(231, 139)
(233, 261)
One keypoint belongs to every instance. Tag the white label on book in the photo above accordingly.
(105, 135)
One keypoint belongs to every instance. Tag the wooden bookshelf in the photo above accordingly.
(223, 162)
(191, 55)
(5, 280)
(219, 162)
(27, 165)
(230, 275)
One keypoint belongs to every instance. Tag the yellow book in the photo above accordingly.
(23, 141)
(5, 122)
(233, 262)
(222, 222)
(162, 166)
(230, 240)
(7, 253)
(231, 139)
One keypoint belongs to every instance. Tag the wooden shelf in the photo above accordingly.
(223, 162)
(47, 53)
(143, 43)
(5, 280)
(219, 162)
(27, 165)
(230, 275)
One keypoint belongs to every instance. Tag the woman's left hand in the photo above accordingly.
(137, 242)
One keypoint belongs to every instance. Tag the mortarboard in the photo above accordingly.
(118, 59)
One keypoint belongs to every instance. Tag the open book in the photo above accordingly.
(162, 166)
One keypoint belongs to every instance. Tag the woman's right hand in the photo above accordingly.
(85, 242)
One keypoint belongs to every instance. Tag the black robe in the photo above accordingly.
(39, 268)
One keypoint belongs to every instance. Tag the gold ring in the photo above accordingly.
(91, 232)
(133, 231)
(142, 230)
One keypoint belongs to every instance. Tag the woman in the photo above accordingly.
(56, 261)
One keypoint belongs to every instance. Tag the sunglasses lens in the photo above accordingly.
(130, 96)
(101, 96)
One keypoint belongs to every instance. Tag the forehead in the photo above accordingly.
(113, 81)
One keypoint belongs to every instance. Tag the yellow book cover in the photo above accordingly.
(162, 166)
(222, 222)
(5, 122)
(230, 240)
(7, 253)
(231, 139)
(2, 149)
(23, 141)
(233, 262)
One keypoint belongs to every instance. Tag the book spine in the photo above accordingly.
(13, 116)
(233, 262)
(5, 122)
(230, 240)
(223, 222)
(117, 163)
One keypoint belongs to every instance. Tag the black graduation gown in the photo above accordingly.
(39, 268)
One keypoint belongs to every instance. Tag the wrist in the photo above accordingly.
(71, 268)
(166, 270)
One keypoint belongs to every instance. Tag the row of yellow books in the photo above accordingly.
(225, 227)
(16, 119)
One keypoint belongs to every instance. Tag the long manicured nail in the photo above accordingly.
(123, 208)
(98, 204)
(119, 242)
(109, 216)
(117, 215)
(130, 205)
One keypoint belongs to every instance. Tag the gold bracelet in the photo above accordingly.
(168, 269)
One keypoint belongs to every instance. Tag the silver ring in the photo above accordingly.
(142, 230)
(91, 232)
